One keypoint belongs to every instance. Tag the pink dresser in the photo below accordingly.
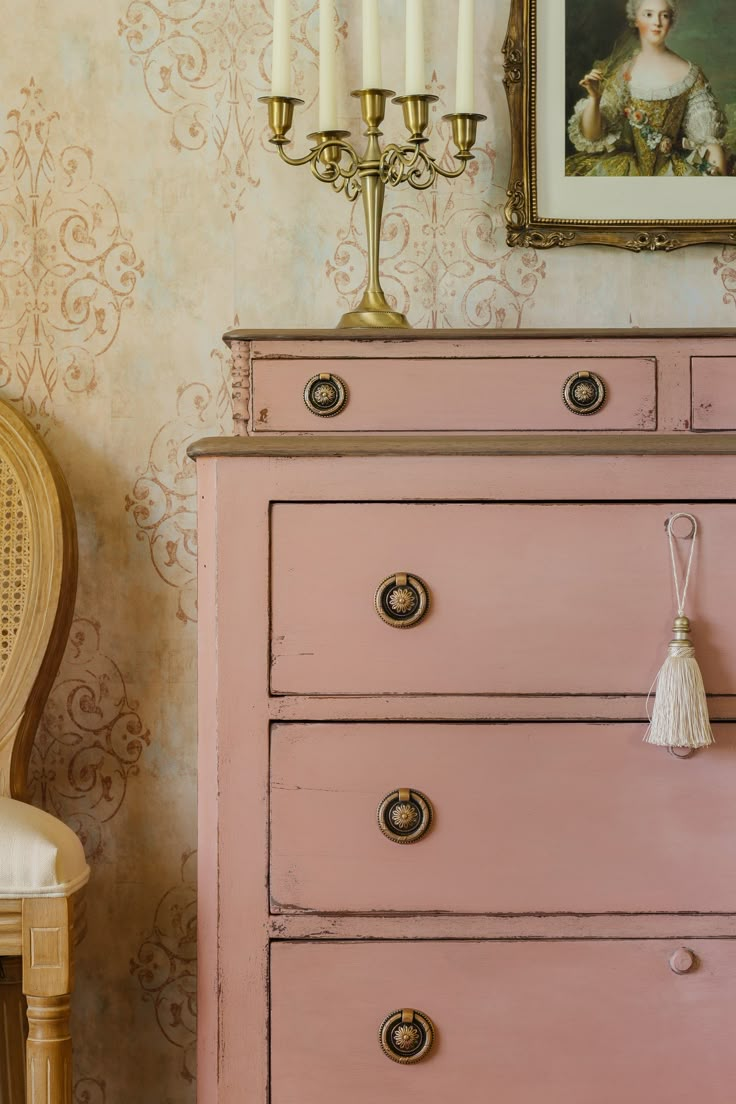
(436, 859)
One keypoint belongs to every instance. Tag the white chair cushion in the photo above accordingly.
(39, 855)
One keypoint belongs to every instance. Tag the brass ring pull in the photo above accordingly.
(404, 816)
(584, 393)
(325, 395)
(402, 601)
(406, 1036)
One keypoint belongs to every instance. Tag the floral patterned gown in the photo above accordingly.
(661, 131)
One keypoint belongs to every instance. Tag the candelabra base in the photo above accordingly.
(373, 313)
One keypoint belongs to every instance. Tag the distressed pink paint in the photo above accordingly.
(427, 381)
(714, 393)
(568, 862)
(519, 1022)
(482, 393)
(527, 818)
(525, 598)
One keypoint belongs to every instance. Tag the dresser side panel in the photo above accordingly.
(242, 705)
(208, 948)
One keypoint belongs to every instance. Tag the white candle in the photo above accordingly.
(415, 83)
(372, 70)
(280, 62)
(327, 74)
(465, 97)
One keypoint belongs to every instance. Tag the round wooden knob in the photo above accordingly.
(404, 816)
(584, 393)
(682, 961)
(406, 1036)
(402, 601)
(325, 395)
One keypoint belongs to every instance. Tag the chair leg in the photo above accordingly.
(49, 1051)
(47, 982)
(13, 1028)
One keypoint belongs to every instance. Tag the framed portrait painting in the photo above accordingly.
(623, 123)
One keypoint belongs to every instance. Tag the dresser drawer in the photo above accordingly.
(519, 1022)
(524, 598)
(714, 392)
(484, 394)
(524, 818)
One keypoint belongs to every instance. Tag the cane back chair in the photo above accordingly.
(42, 866)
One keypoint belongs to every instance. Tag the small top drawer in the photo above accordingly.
(713, 392)
(435, 395)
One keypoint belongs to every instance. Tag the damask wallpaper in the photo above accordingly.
(142, 212)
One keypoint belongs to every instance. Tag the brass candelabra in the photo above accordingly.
(335, 161)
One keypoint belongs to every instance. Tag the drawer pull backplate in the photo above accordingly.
(584, 393)
(404, 816)
(325, 395)
(402, 601)
(406, 1036)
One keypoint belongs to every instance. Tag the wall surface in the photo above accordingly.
(142, 212)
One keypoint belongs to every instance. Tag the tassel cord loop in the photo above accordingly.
(682, 597)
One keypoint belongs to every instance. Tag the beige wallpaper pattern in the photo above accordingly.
(141, 213)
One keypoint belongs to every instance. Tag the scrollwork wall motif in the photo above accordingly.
(204, 63)
(724, 266)
(165, 965)
(164, 503)
(89, 743)
(443, 256)
(68, 270)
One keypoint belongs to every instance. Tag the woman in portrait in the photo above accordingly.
(648, 112)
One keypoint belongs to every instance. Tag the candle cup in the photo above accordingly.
(280, 116)
(327, 142)
(416, 115)
(373, 105)
(465, 132)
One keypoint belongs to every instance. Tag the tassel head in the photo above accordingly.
(680, 715)
(681, 632)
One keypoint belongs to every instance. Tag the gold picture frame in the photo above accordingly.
(530, 221)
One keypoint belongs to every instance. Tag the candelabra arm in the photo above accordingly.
(326, 158)
(450, 174)
(305, 160)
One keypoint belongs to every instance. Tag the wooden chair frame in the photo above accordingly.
(37, 934)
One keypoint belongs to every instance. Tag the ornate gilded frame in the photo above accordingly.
(525, 226)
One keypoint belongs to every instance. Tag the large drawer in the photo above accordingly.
(484, 394)
(525, 598)
(520, 1022)
(526, 818)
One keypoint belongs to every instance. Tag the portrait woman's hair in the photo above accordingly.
(632, 9)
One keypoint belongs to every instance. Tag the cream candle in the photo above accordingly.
(372, 70)
(327, 67)
(415, 82)
(280, 62)
(465, 95)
